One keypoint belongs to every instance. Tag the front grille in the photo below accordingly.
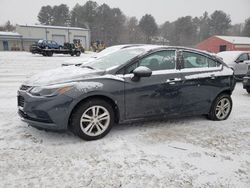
(20, 101)
(38, 119)
(24, 87)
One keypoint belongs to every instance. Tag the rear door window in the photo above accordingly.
(194, 60)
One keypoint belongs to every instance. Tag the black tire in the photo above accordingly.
(78, 53)
(238, 78)
(214, 111)
(72, 54)
(248, 90)
(49, 54)
(77, 126)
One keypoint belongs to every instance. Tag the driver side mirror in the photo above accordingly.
(141, 71)
(239, 61)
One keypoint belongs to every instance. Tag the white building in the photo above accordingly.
(10, 41)
(28, 34)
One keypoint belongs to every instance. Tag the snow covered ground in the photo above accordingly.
(184, 152)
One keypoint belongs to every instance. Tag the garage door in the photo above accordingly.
(60, 39)
(82, 40)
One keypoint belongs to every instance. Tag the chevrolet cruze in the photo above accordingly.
(138, 82)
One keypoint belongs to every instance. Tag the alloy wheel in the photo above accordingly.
(95, 120)
(223, 108)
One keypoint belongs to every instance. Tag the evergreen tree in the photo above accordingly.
(45, 16)
(61, 15)
(219, 23)
(148, 27)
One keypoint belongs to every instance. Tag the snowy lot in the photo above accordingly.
(185, 152)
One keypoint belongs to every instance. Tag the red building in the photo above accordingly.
(217, 44)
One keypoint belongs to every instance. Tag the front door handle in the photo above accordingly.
(173, 81)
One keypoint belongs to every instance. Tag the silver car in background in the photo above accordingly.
(93, 56)
(238, 60)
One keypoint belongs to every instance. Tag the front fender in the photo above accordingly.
(112, 90)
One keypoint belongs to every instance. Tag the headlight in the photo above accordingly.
(49, 91)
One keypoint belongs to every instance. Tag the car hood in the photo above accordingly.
(78, 62)
(62, 75)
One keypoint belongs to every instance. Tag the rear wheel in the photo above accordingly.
(78, 53)
(92, 120)
(49, 53)
(221, 108)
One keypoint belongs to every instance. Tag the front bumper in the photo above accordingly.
(246, 82)
(50, 113)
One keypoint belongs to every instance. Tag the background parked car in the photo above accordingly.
(246, 81)
(106, 51)
(238, 60)
(68, 48)
(49, 44)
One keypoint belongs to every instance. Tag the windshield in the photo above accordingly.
(108, 50)
(228, 57)
(114, 59)
(40, 41)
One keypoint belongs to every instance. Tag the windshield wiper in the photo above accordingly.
(89, 67)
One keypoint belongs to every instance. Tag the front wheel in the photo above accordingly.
(221, 108)
(92, 120)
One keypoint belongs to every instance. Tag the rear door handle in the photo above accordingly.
(212, 76)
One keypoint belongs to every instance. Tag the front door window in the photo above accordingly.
(162, 60)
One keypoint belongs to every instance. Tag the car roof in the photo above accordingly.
(151, 47)
(232, 52)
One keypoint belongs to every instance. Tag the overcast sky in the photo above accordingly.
(25, 11)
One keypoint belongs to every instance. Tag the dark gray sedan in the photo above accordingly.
(130, 84)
